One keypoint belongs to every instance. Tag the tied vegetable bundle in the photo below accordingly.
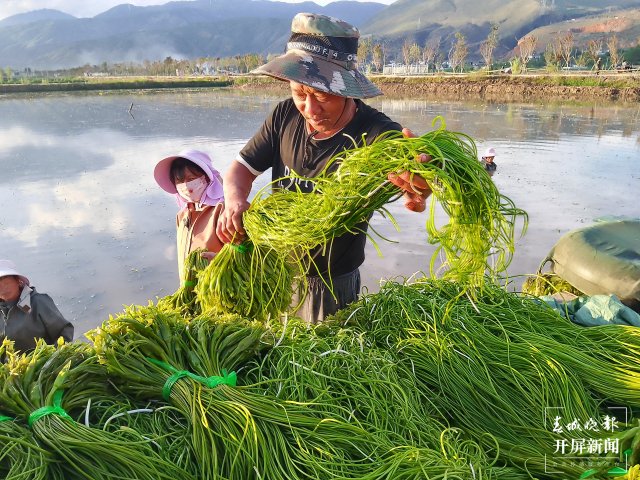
(184, 299)
(47, 389)
(155, 354)
(478, 239)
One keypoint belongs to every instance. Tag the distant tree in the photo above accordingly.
(489, 45)
(516, 66)
(406, 52)
(168, 66)
(364, 48)
(632, 55)
(458, 52)
(415, 53)
(526, 47)
(241, 64)
(430, 50)
(614, 54)
(583, 59)
(439, 60)
(594, 48)
(552, 56)
(253, 61)
(377, 57)
(565, 43)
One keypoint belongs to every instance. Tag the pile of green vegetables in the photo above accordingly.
(418, 381)
(284, 226)
(441, 378)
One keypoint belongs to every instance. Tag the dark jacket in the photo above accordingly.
(33, 316)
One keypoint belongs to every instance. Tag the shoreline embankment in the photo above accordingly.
(616, 87)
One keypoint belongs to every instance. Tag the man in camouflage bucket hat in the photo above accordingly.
(323, 117)
(321, 54)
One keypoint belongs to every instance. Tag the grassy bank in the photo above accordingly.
(611, 87)
(606, 80)
(605, 86)
(112, 83)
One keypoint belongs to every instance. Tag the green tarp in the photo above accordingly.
(595, 310)
(602, 259)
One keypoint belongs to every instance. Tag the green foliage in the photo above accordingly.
(459, 52)
(516, 66)
(548, 284)
(632, 55)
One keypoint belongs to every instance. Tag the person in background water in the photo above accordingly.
(197, 187)
(26, 314)
(597, 65)
(323, 117)
(487, 160)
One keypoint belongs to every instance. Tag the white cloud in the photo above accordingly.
(77, 203)
(84, 8)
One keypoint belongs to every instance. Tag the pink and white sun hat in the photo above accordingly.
(7, 267)
(212, 195)
(489, 152)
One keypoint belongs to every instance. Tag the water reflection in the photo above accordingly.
(83, 218)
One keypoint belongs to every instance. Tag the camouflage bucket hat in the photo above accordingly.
(322, 54)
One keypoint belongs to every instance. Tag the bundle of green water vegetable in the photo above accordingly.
(184, 299)
(284, 226)
(548, 284)
(44, 391)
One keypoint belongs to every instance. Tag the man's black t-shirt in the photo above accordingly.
(284, 144)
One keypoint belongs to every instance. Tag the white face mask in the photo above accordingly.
(193, 190)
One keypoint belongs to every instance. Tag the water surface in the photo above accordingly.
(82, 217)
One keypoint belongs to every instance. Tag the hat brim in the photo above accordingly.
(319, 73)
(13, 273)
(161, 174)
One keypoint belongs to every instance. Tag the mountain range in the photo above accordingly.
(50, 39)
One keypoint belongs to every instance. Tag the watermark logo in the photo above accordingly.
(590, 443)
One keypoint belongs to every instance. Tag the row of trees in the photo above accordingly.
(561, 51)
(376, 54)
(167, 67)
(198, 66)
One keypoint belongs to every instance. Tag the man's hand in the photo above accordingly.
(237, 186)
(230, 228)
(416, 189)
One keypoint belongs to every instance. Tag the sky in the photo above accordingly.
(89, 8)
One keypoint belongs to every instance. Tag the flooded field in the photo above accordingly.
(82, 217)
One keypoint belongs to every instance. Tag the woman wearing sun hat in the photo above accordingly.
(197, 188)
(26, 315)
(487, 160)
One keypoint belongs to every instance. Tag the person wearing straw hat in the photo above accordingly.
(324, 116)
(26, 314)
(197, 188)
(487, 161)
